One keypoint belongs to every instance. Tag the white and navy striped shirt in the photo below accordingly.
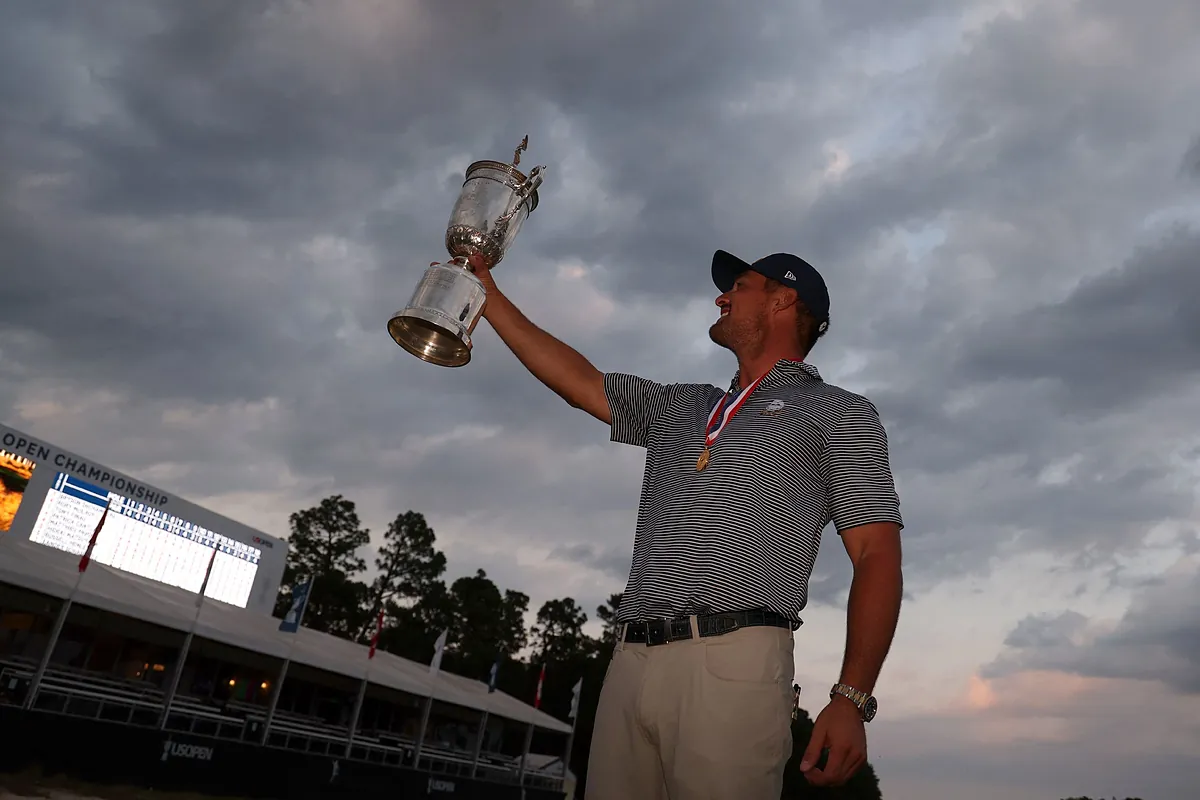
(743, 533)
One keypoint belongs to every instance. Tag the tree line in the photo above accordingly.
(485, 624)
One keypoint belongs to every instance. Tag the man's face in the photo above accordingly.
(742, 323)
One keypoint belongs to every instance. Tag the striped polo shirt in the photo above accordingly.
(743, 532)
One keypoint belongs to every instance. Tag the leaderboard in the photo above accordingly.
(144, 540)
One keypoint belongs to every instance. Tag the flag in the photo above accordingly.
(438, 647)
(575, 692)
(537, 700)
(378, 628)
(208, 573)
(493, 675)
(86, 558)
(300, 594)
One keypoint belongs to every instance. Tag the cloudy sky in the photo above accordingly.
(209, 210)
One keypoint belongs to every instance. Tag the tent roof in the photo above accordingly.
(53, 572)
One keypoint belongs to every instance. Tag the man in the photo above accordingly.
(738, 487)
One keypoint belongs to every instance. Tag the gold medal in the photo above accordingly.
(702, 461)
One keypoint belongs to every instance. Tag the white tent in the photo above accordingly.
(53, 572)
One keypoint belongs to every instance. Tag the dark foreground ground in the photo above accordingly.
(33, 785)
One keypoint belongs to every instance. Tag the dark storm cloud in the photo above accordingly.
(263, 183)
(612, 562)
(1115, 339)
(224, 111)
(209, 210)
(1191, 160)
(1157, 639)
(1045, 630)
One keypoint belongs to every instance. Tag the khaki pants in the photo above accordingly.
(696, 719)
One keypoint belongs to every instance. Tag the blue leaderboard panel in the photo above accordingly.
(145, 540)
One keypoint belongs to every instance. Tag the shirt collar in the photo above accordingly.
(785, 371)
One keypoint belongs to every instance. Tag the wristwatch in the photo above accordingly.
(867, 706)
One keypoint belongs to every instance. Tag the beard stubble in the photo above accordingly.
(738, 335)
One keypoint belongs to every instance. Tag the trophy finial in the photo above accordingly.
(524, 145)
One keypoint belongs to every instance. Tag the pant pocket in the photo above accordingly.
(750, 656)
(737, 726)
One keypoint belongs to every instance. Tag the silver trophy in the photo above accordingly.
(495, 200)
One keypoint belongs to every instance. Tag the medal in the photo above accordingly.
(719, 418)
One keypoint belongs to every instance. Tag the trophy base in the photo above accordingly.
(436, 325)
(429, 340)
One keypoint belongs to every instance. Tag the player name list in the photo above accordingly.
(144, 541)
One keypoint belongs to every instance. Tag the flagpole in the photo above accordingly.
(274, 701)
(574, 722)
(537, 704)
(525, 757)
(424, 724)
(36, 684)
(358, 702)
(570, 747)
(434, 667)
(483, 723)
(287, 661)
(493, 677)
(362, 688)
(177, 672)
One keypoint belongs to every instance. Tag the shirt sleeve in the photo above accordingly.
(635, 405)
(861, 489)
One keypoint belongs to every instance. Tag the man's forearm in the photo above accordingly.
(559, 366)
(871, 617)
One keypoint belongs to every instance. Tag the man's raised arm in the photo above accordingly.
(560, 367)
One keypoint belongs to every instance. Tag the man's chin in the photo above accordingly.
(717, 333)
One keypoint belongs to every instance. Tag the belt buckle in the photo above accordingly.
(656, 632)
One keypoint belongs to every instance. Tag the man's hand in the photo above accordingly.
(840, 728)
(480, 267)
(478, 264)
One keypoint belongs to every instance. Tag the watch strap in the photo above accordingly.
(855, 696)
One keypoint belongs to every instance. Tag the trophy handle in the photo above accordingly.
(500, 227)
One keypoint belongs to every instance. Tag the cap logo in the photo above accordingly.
(791, 276)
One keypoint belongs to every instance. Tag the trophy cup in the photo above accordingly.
(495, 200)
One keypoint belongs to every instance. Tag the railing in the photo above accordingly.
(90, 696)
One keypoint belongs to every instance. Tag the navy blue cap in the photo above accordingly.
(786, 268)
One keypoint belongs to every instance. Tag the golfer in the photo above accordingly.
(739, 485)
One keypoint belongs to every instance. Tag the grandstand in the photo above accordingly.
(124, 633)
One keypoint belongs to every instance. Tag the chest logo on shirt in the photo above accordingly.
(773, 408)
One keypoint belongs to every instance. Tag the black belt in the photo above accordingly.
(660, 631)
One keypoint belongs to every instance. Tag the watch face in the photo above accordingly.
(869, 709)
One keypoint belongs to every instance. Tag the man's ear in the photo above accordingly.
(785, 297)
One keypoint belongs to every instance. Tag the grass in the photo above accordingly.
(32, 783)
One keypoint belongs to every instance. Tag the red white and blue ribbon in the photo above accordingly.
(723, 412)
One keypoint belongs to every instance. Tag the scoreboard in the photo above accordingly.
(144, 540)
(56, 499)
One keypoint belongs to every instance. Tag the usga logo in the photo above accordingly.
(196, 752)
(773, 407)
(440, 785)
